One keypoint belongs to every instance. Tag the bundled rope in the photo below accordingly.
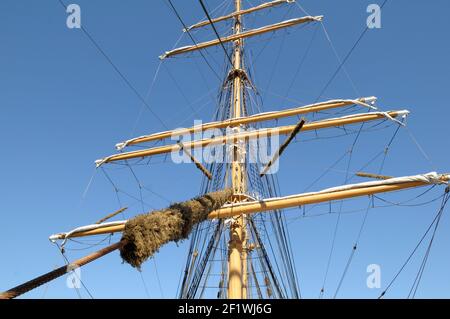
(142, 237)
(146, 233)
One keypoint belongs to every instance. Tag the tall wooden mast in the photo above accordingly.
(236, 269)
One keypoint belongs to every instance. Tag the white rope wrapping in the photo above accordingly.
(428, 178)
(67, 235)
(362, 102)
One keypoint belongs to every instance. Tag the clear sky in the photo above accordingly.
(62, 106)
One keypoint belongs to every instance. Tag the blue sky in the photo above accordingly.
(63, 106)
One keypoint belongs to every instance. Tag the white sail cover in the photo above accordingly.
(67, 235)
(428, 178)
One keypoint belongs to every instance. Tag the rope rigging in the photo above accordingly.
(61, 250)
(117, 70)
(215, 31)
(418, 278)
(435, 223)
(355, 246)
(219, 180)
(269, 255)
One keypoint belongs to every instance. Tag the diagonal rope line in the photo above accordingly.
(341, 65)
(116, 189)
(192, 38)
(215, 31)
(157, 277)
(177, 85)
(420, 148)
(150, 89)
(444, 202)
(122, 76)
(144, 284)
(350, 152)
(419, 275)
(333, 48)
(302, 61)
